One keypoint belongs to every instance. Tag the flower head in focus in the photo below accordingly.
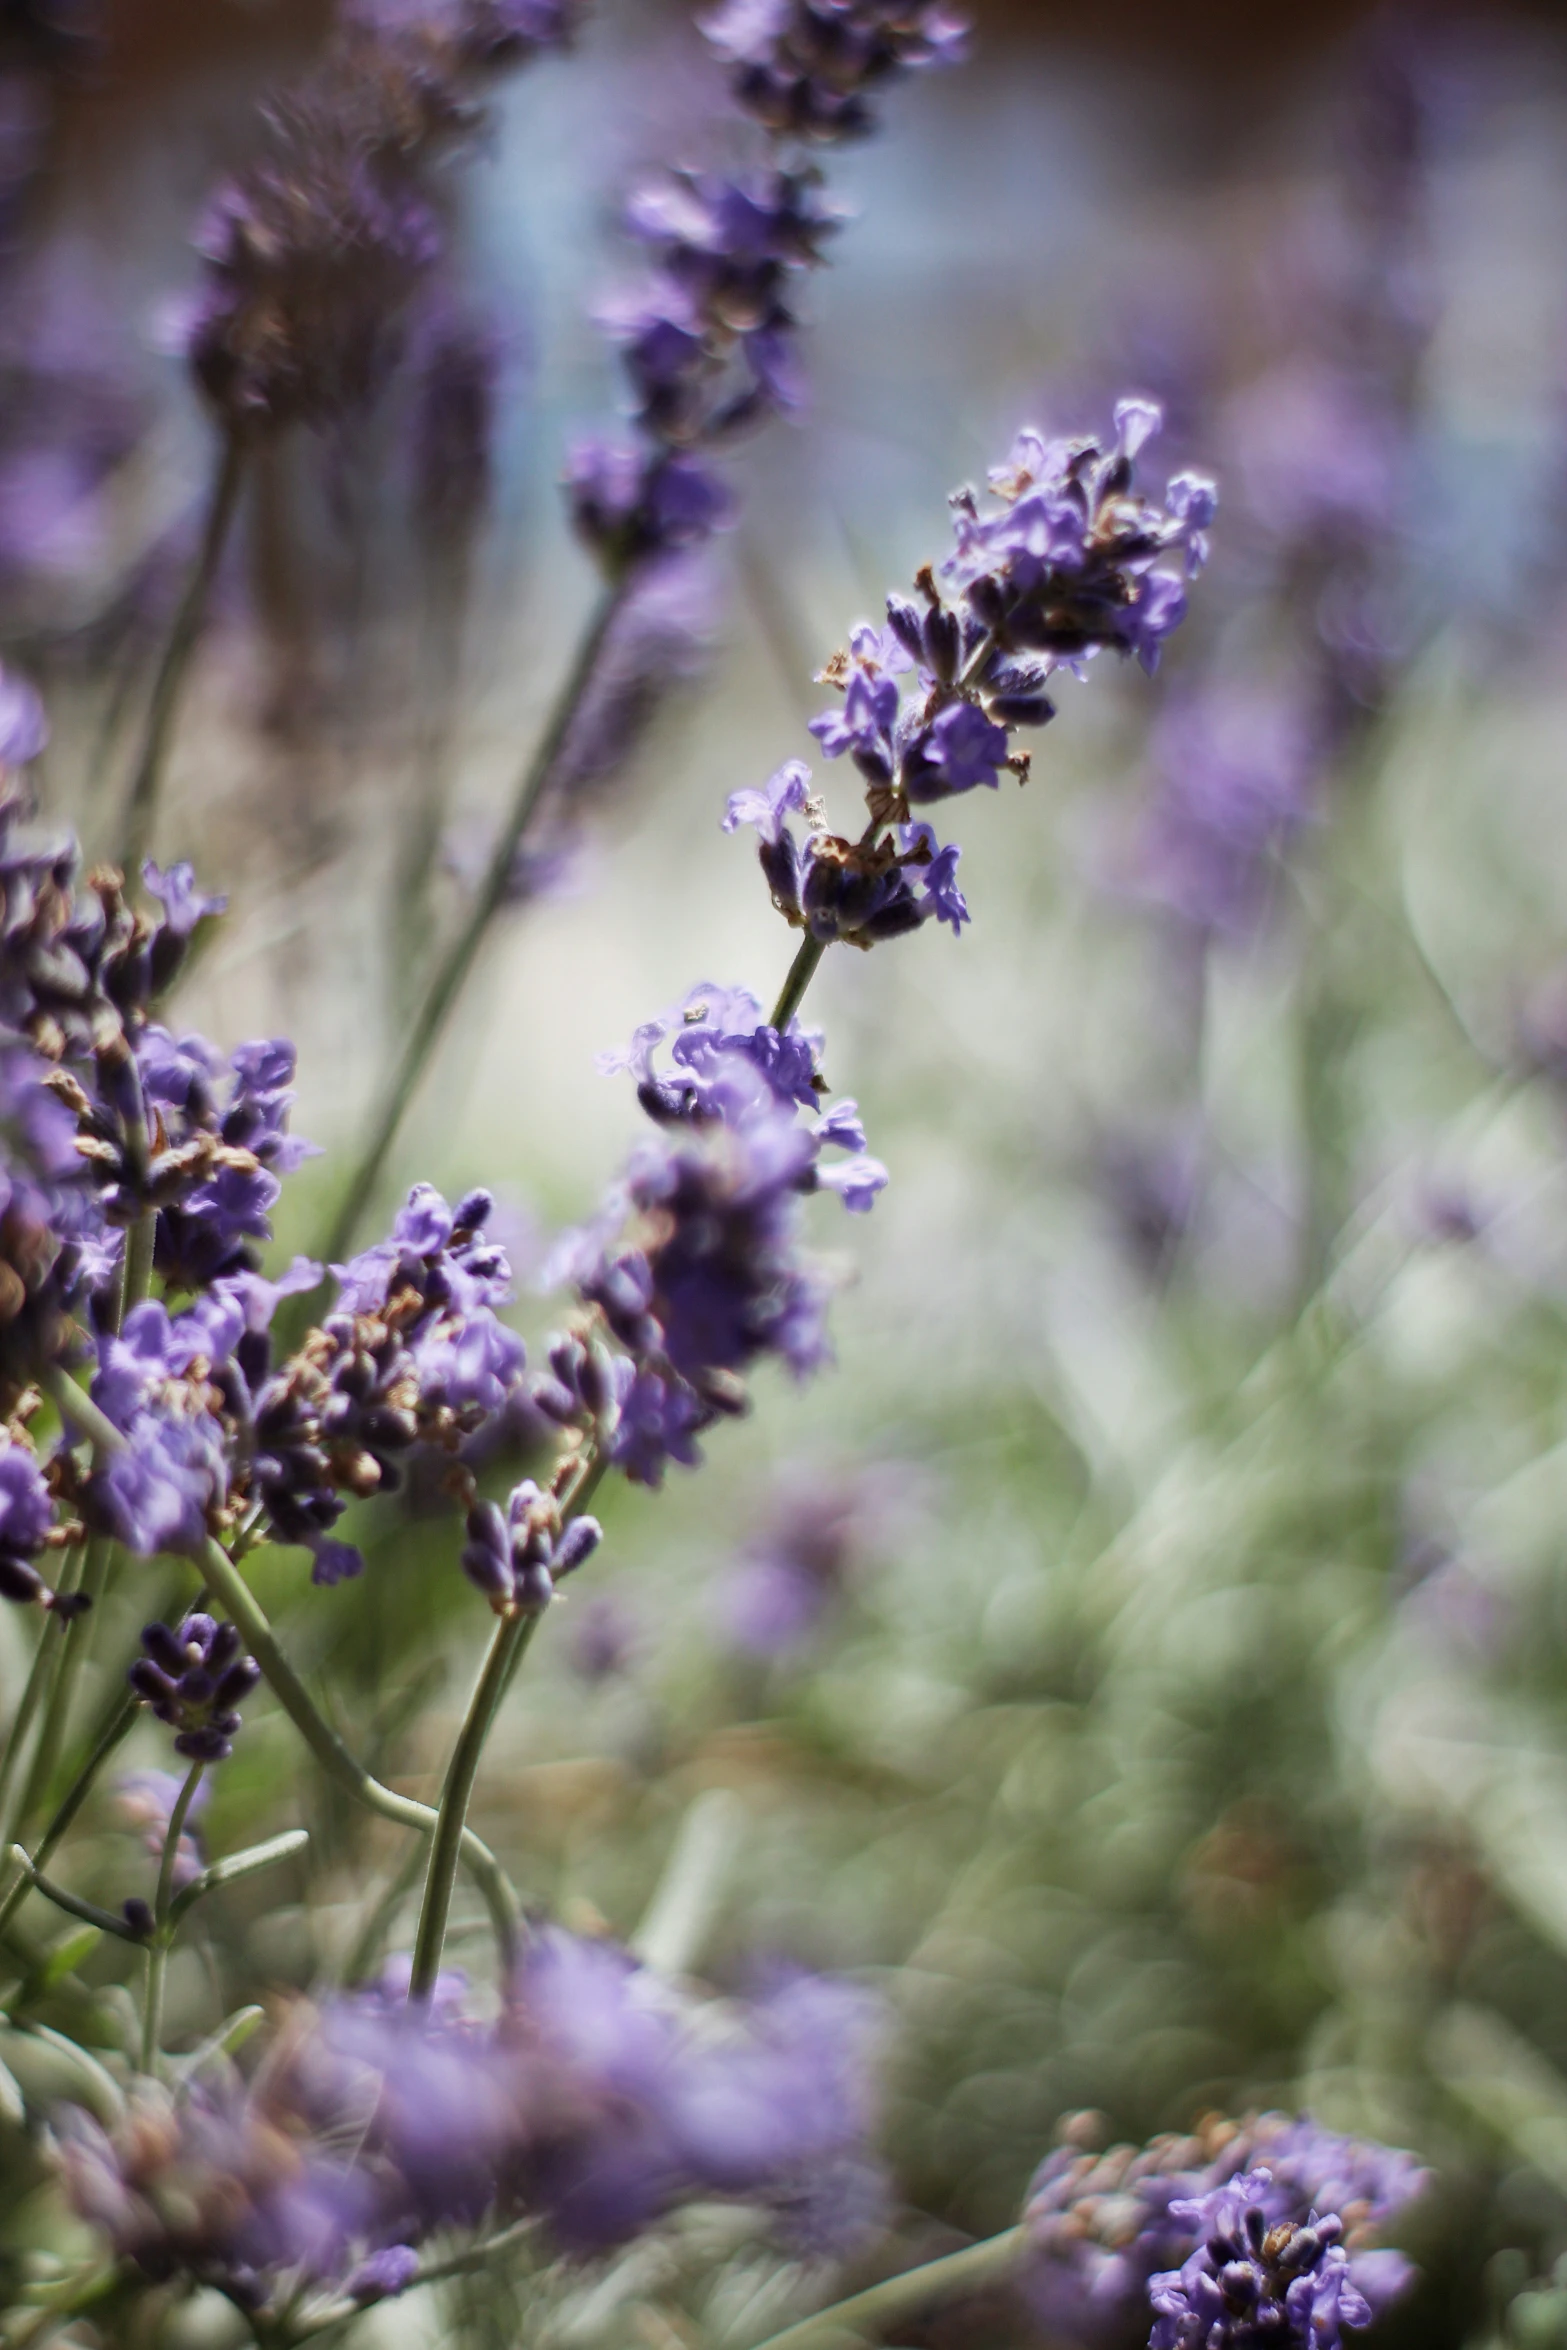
(1255, 2283)
(193, 1676)
(1098, 2226)
(708, 1278)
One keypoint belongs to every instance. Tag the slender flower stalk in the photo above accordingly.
(450, 975)
(39, 1678)
(139, 818)
(70, 1656)
(230, 1589)
(865, 2317)
(78, 1409)
(506, 1651)
(113, 1732)
(158, 1946)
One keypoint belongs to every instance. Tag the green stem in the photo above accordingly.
(72, 1903)
(512, 1635)
(141, 806)
(875, 2309)
(447, 981)
(77, 1409)
(114, 1730)
(140, 1242)
(228, 1585)
(801, 972)
(46, 1658)
(73, 1653)
(158, 1947)
(237, 1866)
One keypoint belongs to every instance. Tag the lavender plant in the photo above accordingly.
(579, 2107)
(709, 349)
(154, 1160)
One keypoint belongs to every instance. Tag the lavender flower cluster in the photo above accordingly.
(693, 1268)
(1243, 2234)
(154, 1397)
(595, 2103)
(707, 342)
(1069, 562)
(315, 251)
(117, 1126)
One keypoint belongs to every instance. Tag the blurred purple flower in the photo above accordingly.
(1237, 771)
(785, 1584)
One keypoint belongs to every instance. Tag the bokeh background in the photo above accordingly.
(1144, 1657)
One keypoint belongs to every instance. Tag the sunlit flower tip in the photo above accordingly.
(787, 793)
(193, 1677)
(1137, 419)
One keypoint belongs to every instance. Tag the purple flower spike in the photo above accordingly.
(963, 748)
(1102, 2230)
(709, 1279)
(517, 1558)
(1255, 2282)
(193, 1678)
(808, 68)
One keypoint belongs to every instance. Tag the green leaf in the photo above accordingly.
(66, 1956)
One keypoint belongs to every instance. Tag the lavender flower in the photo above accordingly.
(311, 258)
(1254, 2282)
(809, 68)
(55, 1250)
(629, 502)
(24, 730)
(163, 1490)
(1068, 564)
(145, 1801)
(517, 1558)
(193, 1678)
(1237, 770)
(708, 341)
(26, 1525)
(217, 2185)
(220, 1124)
(413, 1355)
(782, 1587)
(602, 1637)
(597, 2101)
(315, 252)
(647, 2112)
(709, 1279)
(1099, 2226)
(454, 427)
